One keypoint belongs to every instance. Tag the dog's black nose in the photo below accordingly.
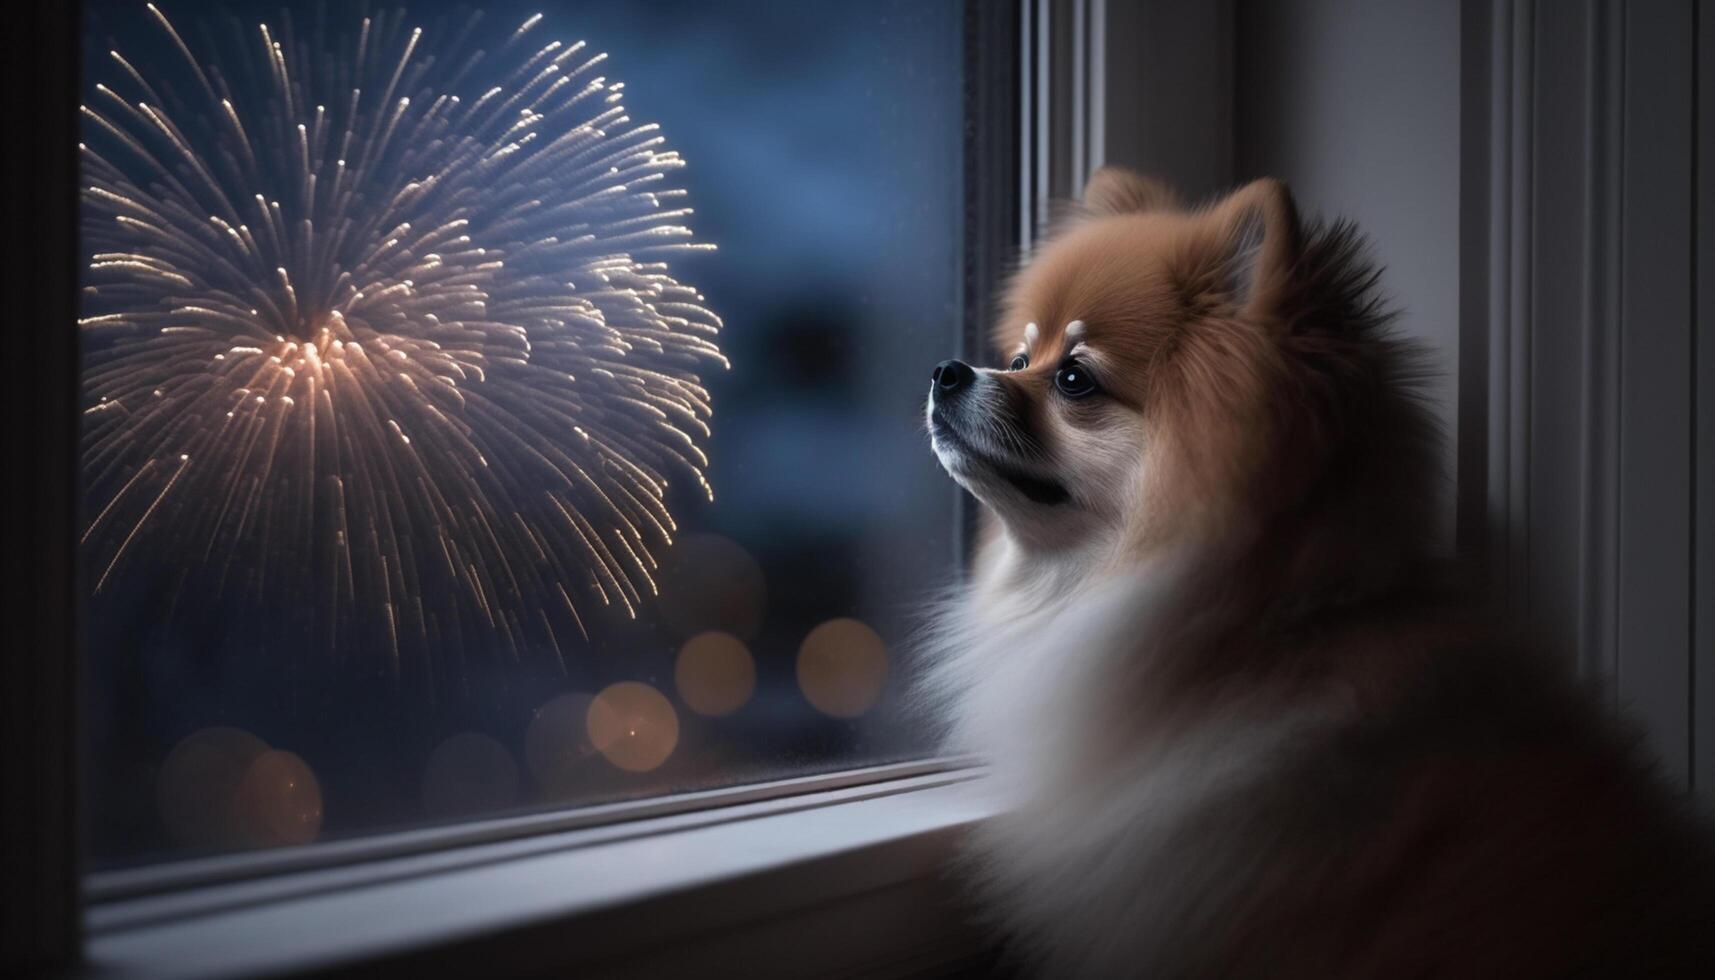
(950, 377)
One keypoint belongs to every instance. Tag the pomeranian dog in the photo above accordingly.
(1246, 727)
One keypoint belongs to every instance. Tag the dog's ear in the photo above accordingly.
(1116, 190)
(1259, 245)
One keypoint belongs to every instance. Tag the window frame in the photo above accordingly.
(633, 894)
(40, 826)
(900, 817)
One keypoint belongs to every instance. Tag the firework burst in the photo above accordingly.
(394, 352)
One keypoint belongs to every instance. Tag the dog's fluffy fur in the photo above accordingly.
(1246, 729)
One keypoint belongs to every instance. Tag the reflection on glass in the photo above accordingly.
(842, 667)
(633, 725)
(469, 773)
(557, 747)
(714, 674)
(406, 493)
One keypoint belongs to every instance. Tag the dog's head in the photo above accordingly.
(1155, 371)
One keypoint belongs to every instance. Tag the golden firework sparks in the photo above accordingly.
(375, 345)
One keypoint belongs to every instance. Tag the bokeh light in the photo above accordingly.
(633, 725)
(714, 674)
(709, 582)
(197, 789)
(279, 801)
(469, 773)
(842, 666)
(557, 744)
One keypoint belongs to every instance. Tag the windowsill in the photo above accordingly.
(831, 876)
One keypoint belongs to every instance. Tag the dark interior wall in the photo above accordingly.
(1530, 174)
(1536, 176)
(1356, 106)
(1169, 100)
(1533, 174)
(1593, 305)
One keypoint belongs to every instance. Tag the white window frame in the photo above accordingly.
(638, 888)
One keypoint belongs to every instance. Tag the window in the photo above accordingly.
(416, 482)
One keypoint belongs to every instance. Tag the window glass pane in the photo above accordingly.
(400, 375)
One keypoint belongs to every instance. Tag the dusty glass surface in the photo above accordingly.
(458, 442)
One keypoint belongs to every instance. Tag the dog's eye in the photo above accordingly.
(1073, 381)
(1019, 363)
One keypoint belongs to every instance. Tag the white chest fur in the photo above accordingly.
(1109, 854)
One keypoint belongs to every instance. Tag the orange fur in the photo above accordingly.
(1207, 646)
